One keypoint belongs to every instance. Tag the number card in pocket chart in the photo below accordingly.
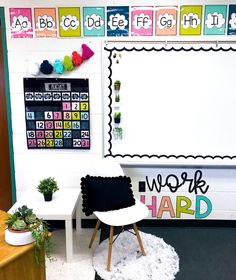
(57, 113)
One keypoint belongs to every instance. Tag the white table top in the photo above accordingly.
(61, 207)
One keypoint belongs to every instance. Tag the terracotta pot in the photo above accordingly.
(18, 231)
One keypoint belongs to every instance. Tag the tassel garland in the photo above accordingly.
(59, 67)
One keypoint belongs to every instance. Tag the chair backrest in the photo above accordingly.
(107, 168)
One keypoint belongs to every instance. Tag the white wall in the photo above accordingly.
(67, 166)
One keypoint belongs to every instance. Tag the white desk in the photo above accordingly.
(63, 206)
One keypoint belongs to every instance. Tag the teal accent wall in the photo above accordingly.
(6, 73)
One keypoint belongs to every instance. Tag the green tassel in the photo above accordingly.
(68, 65)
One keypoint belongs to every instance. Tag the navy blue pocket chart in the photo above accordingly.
(57, 113)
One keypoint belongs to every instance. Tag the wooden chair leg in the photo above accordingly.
(110, 248)
(94, 233)
(139, 239)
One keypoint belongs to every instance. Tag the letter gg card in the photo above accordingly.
(166, 21)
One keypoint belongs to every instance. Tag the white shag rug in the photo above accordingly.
(127, 263)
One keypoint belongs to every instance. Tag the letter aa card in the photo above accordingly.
(21, 22)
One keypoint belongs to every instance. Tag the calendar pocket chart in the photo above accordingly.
(57, 113)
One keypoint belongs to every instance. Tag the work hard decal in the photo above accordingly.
(173, 204)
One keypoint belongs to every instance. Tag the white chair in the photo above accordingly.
(122, 217)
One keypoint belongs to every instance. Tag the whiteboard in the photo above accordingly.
(177, 103)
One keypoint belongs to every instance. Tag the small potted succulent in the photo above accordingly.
(117, 85)
(117, 117)
(117, 98)
(47, 187)
(118, 133)
(24, 227)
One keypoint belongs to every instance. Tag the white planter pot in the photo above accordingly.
(18, 238)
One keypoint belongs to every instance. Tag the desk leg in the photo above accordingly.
(69, 240)
(78, 215)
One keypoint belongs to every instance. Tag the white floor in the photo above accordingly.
(81, 268)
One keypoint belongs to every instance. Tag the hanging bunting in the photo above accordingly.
(141, 21)
(215, 19)
(232, 20)
(21, 22)
(190, 20)
(86, 52)
(46, 68)
(166, 21)
(68, 63)
(45, 22)
(70, 22)
(58, 67)
(118, 21)
(94, 21)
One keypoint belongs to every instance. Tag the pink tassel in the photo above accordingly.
(86, 52)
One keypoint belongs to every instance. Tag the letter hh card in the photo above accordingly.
(190, 20)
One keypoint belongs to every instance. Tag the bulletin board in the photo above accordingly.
(57, 113)
(178, 103)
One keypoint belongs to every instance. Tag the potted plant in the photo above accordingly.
(117, 117)
(47, 187)
(24, 227)
(118, 133)
(117, 85)
(117, 98)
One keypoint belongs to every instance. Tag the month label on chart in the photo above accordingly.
(57, 113)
